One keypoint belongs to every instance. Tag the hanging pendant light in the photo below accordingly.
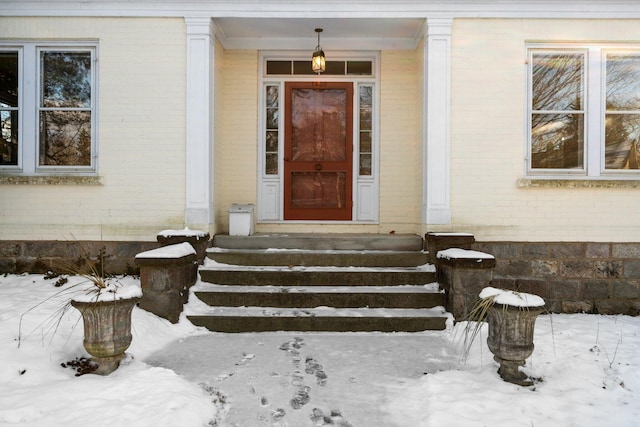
(318, 62)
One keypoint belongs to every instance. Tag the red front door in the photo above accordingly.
(318, 151)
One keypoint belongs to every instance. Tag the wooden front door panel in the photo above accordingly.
(318, 151)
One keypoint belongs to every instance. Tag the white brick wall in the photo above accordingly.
(400, 142)
(141, 136)
(488, 140)
(237, 145)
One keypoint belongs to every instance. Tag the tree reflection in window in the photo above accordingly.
(557, 119)
(65, 108)
(622, 120)
(9, 108)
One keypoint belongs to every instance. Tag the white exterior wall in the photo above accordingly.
(141, 142)
(400, 142)
(488, 140)
(237, 147)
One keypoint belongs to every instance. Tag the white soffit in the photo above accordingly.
(338, 33)
(354, 24)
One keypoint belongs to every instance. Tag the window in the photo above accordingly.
(622, 115)
(365, 134)
(333, 68)
(584, 105)
(9, 108)
(48, 109)
(272, 124)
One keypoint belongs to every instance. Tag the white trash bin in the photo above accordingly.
(241, 219)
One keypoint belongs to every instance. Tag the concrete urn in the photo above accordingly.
(107, 331)
(511, 329)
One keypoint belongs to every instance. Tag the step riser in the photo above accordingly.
(329, 299)
(345, 242)
(344, 310)
(315, 278)
(365, 259)
(240, 324)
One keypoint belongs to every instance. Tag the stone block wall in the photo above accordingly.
(40, 256)
(571, 277)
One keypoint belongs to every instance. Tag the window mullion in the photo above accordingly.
(29, 126)
(594, 132)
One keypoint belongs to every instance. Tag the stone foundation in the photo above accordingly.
(38, 257)
(571, 277)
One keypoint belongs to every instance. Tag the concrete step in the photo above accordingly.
(301, 257)
(258, 319)
(318, 241)
(323, 296)
(317, 276)
(318, 282)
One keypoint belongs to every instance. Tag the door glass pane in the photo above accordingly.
(278, 67)
(365, 164)
(319, 129)
(365, 120)
(318, 189)
(272, 106)
(359, 67)
(271, 164)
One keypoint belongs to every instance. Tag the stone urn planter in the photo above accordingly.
(511, 317)
(106, 318)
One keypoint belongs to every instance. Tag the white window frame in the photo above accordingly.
(29, 87)
(594, 106)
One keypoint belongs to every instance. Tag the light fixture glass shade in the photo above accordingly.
(318, 63)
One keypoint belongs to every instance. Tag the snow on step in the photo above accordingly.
(213, 265)
(323, 312)
(428, 288)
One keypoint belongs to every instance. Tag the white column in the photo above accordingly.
(199, 121)
(436, 125)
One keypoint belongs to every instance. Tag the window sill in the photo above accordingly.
(577, 183)
(50, 180)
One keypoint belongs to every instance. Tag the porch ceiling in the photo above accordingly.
(339, 33)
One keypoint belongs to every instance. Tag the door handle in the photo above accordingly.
(318, 167)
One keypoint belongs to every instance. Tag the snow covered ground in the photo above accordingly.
(180, 375)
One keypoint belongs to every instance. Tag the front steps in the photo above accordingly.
(306, 282)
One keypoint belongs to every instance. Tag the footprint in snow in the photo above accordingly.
(312, 367)
(293, 346)
(335, 418)
(246, 358)
(301, 398)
